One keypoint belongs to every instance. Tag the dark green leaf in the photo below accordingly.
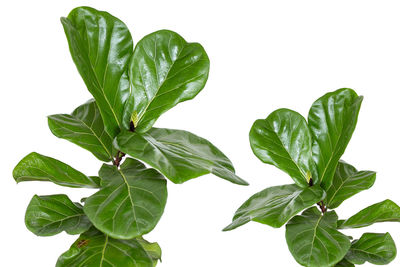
(385, 211)
(332, 120)
(344, 263)
(276, 205)
(50, 215)
(36, 167)
(131, 201)
(378, 249)
(313, 239)
(177, 154)
(284, 140)
(101, 47)
(152, 249)
(347, 182)
(85, 128)
(164, 71)
(93, 248)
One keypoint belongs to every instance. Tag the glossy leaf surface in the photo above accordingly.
(165, 70)
(85, 128)
(332, 120)
(385, 211)
(36, 167)
(378, 249)
(50, 215)
(274, 206)
(131, 201)
(347, 182)
(93, 248)
(313, 239)
(177, 154)
(284, 140)
(101, 47)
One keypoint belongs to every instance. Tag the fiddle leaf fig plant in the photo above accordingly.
(310, 152)
(132, 88)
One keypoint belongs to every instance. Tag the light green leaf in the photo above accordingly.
(378, 249)
(284, 140)
(165, 70)
(313, 239)
(347, 182)
(152, 249)
(131, 201)
(93, 248)
(385, 211)
(177, 154)
(274, 206)
(85, 128)
(332, 120)
(50, 215)
(36, 167)
(101, 47)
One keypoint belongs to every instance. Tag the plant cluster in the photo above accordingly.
(131, 87)
(310, 152)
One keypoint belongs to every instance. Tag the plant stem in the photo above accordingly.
(322, 206)
(117, 161)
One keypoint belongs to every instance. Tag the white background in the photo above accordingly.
(264, 55)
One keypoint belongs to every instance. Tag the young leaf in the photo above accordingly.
(152, 249)
(85, 128)
(385, 211)
(274, 206)
(347, 182)
(378, 249)
(93, 248)
(165, 70)
(284, 140)
(131, 201)
(101, 47)
(36, 167)
(50, 215)
(177, 154)
(313, 239)
(332, 120)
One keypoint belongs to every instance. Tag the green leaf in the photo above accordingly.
(332, 120)
(50, 215)
(347, 182)
(131, 201)
(93, 248)
(101, 47)
(36, 167)
(274, 206)
(85, 128)
(313, 239)
(165, 70)
(344, 263)
(284, 140)
(385, 211)
(177, 154)
(378, 249)
(152, 249)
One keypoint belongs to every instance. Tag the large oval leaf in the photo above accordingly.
(165, 70)
(385, 211)
(313, 239)
(50, 215)
(36, 167)
(284, 140)
(276, 205)
(85, 128)
(375, 248)
(347, 182)
(131, 201)
(101, 47)
(332, 120)
(93, 248)
(177, 154)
